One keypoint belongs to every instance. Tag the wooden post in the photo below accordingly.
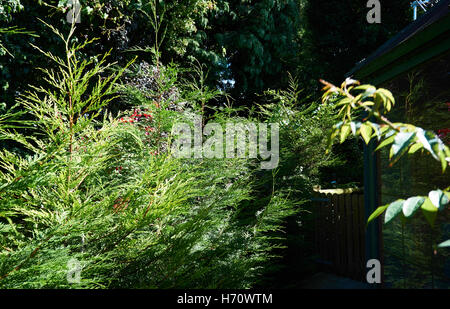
(371, 203)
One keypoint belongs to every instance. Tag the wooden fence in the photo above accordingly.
(340, 231)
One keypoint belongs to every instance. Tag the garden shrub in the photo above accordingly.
(92, 190)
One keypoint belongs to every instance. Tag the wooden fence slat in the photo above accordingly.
(325, 228)
(356, 234)
(323, 234)
(335, 235)
(362, 238)
(316, 216)
(339, 233)
(328, 228)
(349, 226)
(342, 236)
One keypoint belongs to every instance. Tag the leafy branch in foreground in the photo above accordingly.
(370, 104)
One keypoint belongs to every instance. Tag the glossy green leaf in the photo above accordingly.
(355, 126)
(366, 132)
(388, 106)
(393, 210)
(345, 131)
(364, 87)
(444, 163)
(438, 199)
(377, 213)
(368, 92)
(401, 143)
(415, 147)
(447, 193)
(376, 129)
(387, 94)
(425, 137)
(367, 103)
(412, 204)
(429, 211)
(385, 142)
(339, 124)
(444, 244)
(379, 99)
(354, 100)
(344, 101)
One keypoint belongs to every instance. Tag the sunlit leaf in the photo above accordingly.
(412, 204)
(387, 94)
(376, 129)
(414, 148)
(442, 158)
(345, 131)
(425, 137)
(377, 213)
(348, 81)
(356, 99)
(438, 199)
(355, 126)
(429, 211)
(344, 101)
(444, 244)
(368, 93)
(393, 210)
(364, 87)
(401, 143)
(385, 142)
(366, 132)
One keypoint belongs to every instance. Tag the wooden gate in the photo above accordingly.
(340, 231)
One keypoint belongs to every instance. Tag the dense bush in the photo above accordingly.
(95, 188)
(97, 182)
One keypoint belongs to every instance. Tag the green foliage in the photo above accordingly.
(258, 38)
(98, 189)
(301, 129)
(198, 92)
(8, 7)
(302, 166)
(366, 101)
(375, 102)
(250, 42)
(89, 174)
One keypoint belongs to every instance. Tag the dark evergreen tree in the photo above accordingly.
(336, 35)
(257, 39)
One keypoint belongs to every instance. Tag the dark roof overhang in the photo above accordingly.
(426, 38)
